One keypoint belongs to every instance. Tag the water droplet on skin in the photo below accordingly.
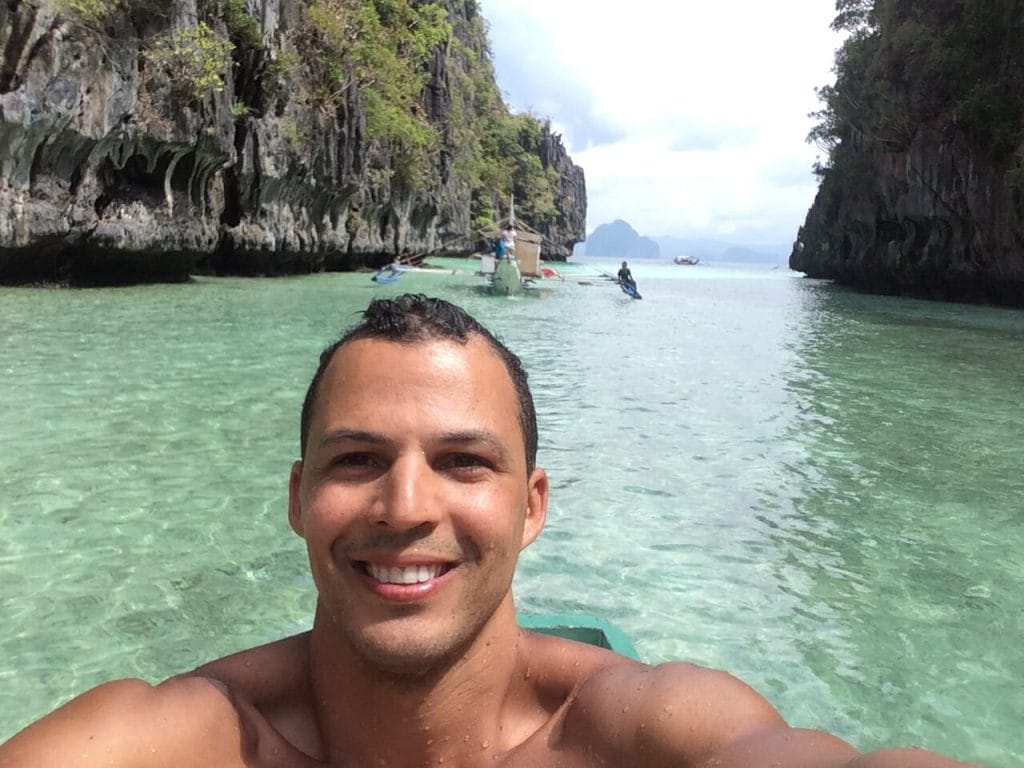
(485, 744)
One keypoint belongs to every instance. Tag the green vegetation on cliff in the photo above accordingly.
(385, 48)
(259, 138)
(908, 63)
(922, 190)
(381, 48)
(377, 57)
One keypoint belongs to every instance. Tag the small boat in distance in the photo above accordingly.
(389, 274)
(690, 260)
(393, 272)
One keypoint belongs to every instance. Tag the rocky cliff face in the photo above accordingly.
(924, 133)
(570, 226)
(937, 221)
(110, 171)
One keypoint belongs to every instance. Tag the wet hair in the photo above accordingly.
(412, 318)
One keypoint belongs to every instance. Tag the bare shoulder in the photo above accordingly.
(671, 714)
(184, 721)
(247, 705)
(265, 676)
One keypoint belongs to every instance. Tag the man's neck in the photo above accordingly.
(463, 712)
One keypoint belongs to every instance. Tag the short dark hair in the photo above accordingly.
(411, 318)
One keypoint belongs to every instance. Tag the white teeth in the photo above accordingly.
(413, 574)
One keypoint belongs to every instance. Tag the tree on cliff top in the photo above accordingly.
(908, 63)
(384, 48)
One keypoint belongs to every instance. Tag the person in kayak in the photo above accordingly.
(414, 508)
(626, 277)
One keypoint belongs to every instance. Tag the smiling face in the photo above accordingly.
(414, 497)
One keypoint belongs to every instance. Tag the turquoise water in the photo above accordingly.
(818, 491)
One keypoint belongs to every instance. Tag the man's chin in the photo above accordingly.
(411, 658)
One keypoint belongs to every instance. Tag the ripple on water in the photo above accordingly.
(755, 473)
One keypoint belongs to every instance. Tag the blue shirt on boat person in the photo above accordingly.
(499, 249)
(413, 509)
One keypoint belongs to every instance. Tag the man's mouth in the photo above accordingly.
(409, 574)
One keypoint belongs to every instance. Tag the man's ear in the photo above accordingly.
(294, 505)
(536, 506)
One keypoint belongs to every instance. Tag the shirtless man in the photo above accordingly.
(416, 490)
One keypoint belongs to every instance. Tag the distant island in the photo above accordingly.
(618, 240)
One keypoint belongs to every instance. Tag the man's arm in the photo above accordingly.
(684, 715)
(181, 723)
(797, 748)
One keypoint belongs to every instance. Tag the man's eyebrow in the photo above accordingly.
(476, 436)
(461, 436)
(374, 438)
(352, 435)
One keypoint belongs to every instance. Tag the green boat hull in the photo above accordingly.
(584, 629)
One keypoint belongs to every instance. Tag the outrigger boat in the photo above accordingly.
(690, 260)
(507, 276)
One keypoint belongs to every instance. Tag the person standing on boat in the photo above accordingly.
(499, 249)
(414, 508)
(509, 237)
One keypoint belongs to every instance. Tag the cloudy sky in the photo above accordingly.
(688, 118)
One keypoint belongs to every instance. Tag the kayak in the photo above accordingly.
(584, 629)
(630, 290)
(388, 275)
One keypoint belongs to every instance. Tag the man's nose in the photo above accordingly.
(410, 497)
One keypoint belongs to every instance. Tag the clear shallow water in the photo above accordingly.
(818, 491)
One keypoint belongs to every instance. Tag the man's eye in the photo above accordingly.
(465, 461)
(354, 460)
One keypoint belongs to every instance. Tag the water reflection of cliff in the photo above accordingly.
(902, 525)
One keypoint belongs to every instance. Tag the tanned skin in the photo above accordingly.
(415, 470)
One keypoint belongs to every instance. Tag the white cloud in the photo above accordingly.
(688, 119)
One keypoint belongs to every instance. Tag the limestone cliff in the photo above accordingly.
(923, 194)
(121, 161)
(938, 220)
